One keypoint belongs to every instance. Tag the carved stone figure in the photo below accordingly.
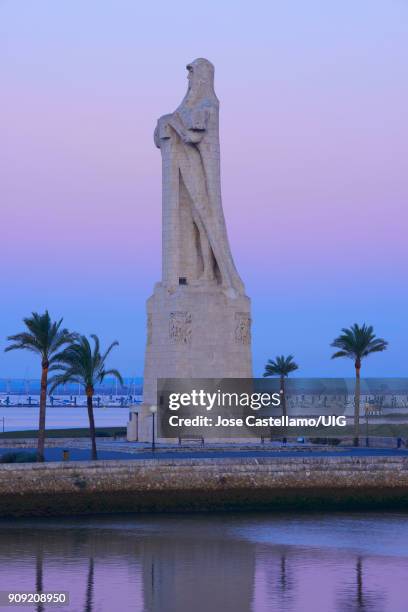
(194, 232)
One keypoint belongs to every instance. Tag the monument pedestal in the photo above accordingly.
(194, 331)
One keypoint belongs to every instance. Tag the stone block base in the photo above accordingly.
(194, 331)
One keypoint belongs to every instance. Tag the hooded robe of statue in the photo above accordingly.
(189, 142)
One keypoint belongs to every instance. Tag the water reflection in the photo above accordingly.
(88, 607)
(248, 562)
(39, 575)
(359, 598)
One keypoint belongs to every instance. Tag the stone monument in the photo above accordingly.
(198, 318)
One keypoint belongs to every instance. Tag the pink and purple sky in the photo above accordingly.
(314, 137)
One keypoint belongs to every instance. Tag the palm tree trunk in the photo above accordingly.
(357, 404)
(283, 404)
(283, 395)
(43, 405)
(89, 402)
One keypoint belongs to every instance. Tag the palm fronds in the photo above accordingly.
(281, 366)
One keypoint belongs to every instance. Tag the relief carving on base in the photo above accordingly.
(180, 329)
(242, 328)
(149, 327)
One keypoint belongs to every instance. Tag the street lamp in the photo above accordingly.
(153, 410)
(367, 408)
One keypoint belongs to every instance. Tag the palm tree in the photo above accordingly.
(46, 338)
(356, 343)
(81, 364)
(282, 367)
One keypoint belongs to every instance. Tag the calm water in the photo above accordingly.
(18, 418)
(211, 563)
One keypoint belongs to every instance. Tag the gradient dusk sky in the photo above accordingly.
(314, 137)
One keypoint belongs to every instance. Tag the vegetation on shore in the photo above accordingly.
(71, 356)
(356, 343)
(18, 457)
(282, 366)
(80, 432)
(46, 338)
(80, 363)
(73, 359)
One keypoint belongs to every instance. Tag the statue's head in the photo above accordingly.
(200, 79)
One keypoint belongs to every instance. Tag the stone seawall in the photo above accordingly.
(203, 484)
